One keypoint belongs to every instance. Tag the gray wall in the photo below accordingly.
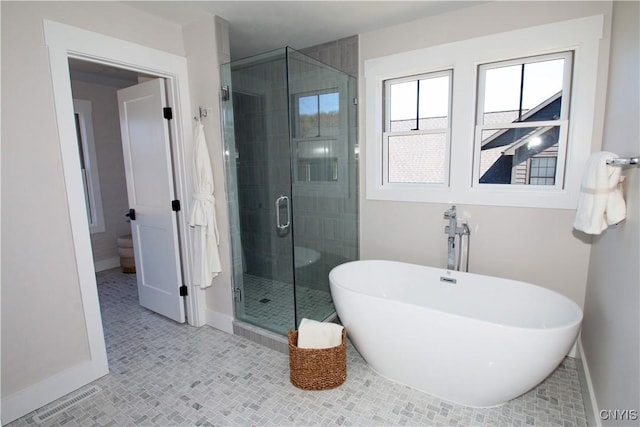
(611, 326)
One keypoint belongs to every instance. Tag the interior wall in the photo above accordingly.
(113, 184)
(43, 328)
(206, 43)
(533, 245)
(611, 326)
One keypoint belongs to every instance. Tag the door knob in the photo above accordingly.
(131, 214)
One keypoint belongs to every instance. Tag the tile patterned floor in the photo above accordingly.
(167, 374)
(270, 303)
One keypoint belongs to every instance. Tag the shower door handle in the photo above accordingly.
(280, 202)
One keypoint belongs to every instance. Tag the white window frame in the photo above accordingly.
(90, 177)
(562, 122)
(581, 36)
(388, 133)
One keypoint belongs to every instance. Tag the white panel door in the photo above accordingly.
(150, 189)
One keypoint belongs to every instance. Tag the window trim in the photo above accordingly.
(388, 133)
(582, 35)
(562, 123)
(91, 180)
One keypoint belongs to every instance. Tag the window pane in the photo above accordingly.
(434, 103)
(317, 160)
(542, 80)
(417, 158)
(543, 171)
(523, 92)
(502, 94)
(308, 117)
(505, 154)
(80, 142)
(421, 104)
(403, 105)
(329, 114)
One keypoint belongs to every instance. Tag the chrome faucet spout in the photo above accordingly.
(452, 216)
(452, 230)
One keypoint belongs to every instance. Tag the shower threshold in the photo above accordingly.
(269, 314)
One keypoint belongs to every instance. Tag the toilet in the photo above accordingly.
(125, 251)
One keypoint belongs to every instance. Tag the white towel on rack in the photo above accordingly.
(203, 214)
(601, 202)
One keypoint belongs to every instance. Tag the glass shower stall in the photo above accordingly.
(291, 163)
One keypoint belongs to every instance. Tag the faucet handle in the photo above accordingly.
(450, 213)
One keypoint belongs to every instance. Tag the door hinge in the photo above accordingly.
(225, 93)
(355, 101)
(183, 291)
(167, 113)
(175, 205)
(237, 294)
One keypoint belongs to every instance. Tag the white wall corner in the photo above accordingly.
(219, 321)
(591, 409)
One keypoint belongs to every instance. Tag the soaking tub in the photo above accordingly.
(470, 339)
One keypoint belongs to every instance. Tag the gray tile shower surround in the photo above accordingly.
(166, 374)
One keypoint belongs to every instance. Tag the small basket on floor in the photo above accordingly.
(317, 368)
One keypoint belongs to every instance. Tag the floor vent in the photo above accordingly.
(66, 403)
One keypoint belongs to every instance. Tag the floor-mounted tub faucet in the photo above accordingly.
(452, 230)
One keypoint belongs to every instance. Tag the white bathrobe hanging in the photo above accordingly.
(203, 214)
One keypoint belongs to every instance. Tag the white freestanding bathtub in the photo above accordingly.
(470, 339)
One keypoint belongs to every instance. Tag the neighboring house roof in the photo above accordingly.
(547, 110)
(516, 140)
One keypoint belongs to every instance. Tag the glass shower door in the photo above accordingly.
(324, 179)
(259, 190)
(289, 132)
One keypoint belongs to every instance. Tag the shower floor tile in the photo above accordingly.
(167, 374)
(269, 303)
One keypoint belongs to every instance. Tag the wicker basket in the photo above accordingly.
(317, 368)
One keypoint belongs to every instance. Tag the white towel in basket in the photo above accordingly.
(314, 334)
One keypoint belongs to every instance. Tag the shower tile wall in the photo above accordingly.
(340, 54)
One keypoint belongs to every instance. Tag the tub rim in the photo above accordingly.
(577, 310)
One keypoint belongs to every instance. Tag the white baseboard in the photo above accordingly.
(219, 321)
(40, 394)
(107, 264)
(574, 350)
(591, 409)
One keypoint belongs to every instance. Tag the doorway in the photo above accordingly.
(64, 42)
(122, 175)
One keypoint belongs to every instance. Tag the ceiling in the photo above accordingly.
(260, 26)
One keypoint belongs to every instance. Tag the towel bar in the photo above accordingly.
(623, 161)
